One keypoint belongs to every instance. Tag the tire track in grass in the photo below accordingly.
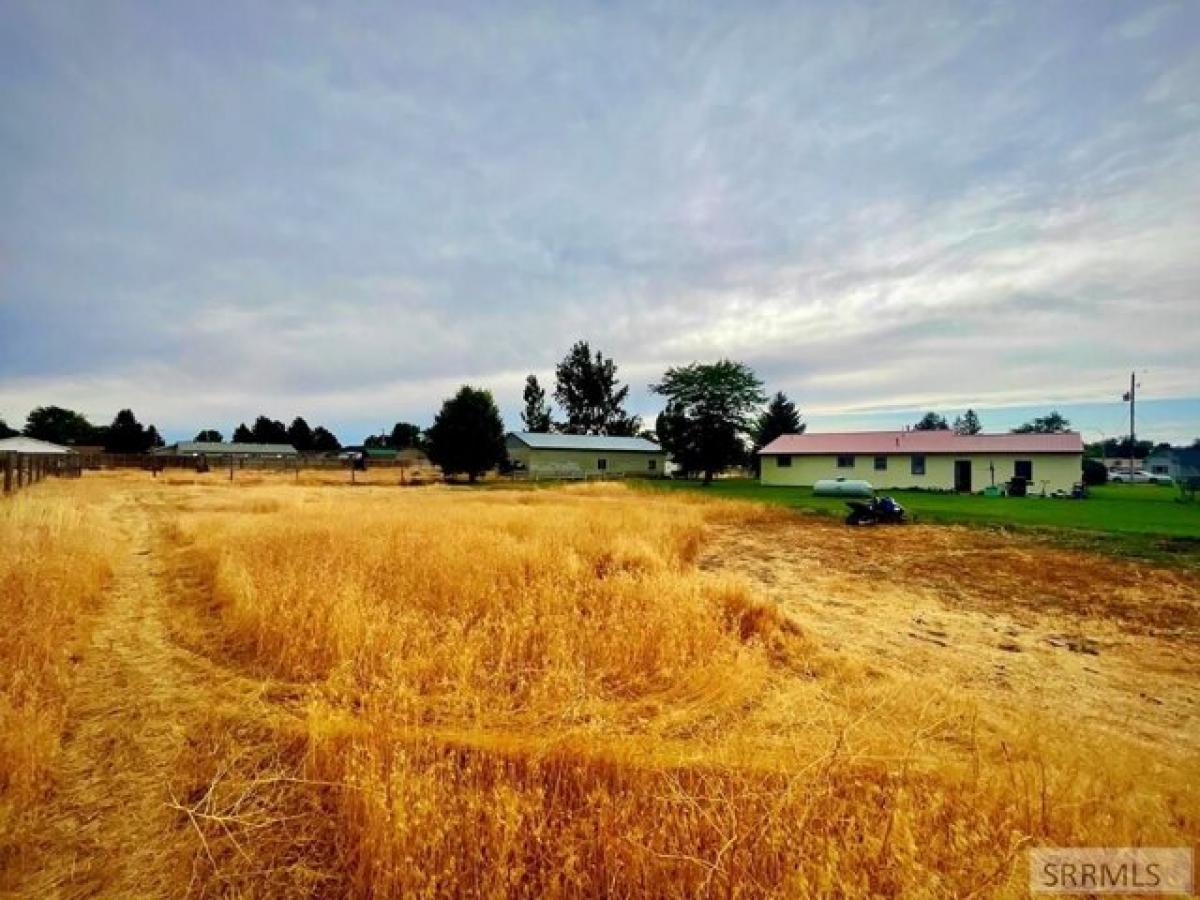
(111, 826)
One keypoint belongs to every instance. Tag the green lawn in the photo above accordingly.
(1138, 520)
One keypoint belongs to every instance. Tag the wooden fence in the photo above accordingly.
(23, 469)
(215, 461)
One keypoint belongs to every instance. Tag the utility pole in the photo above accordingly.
(1132, 398)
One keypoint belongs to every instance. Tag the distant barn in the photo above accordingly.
(226, 449)
(27, 445)
(583, 455)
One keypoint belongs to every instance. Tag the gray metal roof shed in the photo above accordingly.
(542, 441)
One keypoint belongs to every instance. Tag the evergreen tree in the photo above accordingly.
(708, 413)
(300, 436)
(591, 398)
(269, 431)
(126, 434)
(467, 436)
(153, 438)
(931, 421)
(967, 424)
(536, 416)
(324, 441)
(243, 435)
(781, 417)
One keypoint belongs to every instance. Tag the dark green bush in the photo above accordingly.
(1094, 472)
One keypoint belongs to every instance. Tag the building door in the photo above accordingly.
(962, 476)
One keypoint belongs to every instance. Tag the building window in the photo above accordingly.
(783, 462)
(602, 464)
(881, 464)
(845, 462)
(652, 464)
(1023, 468)
(1160, 470)
(918, 465)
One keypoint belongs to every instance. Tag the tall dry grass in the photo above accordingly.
(541, 694)
(54, 561)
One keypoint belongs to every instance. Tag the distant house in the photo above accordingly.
(939, 460)
(226, 449)
(1116, 462)
(582, 455)
(1178, 462)
(25, 445)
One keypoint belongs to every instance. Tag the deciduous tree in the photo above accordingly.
(708, 415)
(60, 426)
(5, 431)
(210, 436)
(405, 434)
(467, 436)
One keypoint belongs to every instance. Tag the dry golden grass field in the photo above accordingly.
(282, 687)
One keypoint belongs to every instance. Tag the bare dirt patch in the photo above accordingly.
(1019, 624)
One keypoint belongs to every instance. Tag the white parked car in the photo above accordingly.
(1123, 476)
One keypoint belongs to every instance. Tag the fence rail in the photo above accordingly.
(24, 469)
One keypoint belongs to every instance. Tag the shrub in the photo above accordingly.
(1094, 472)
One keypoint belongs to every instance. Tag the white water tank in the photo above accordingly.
(843, 487)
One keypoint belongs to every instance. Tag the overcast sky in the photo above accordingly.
(212, 210)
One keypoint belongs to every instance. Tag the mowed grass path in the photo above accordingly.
(1137, 520)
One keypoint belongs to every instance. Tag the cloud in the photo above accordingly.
(349, 211)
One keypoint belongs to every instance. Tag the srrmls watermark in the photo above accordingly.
(1111, 870)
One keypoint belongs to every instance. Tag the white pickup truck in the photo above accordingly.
(1124, 476)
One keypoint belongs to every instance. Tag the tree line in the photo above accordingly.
(968, 423)
(713, 418)
(125, 434)
(265, 430)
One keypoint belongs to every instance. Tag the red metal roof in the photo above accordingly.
(883, 442)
